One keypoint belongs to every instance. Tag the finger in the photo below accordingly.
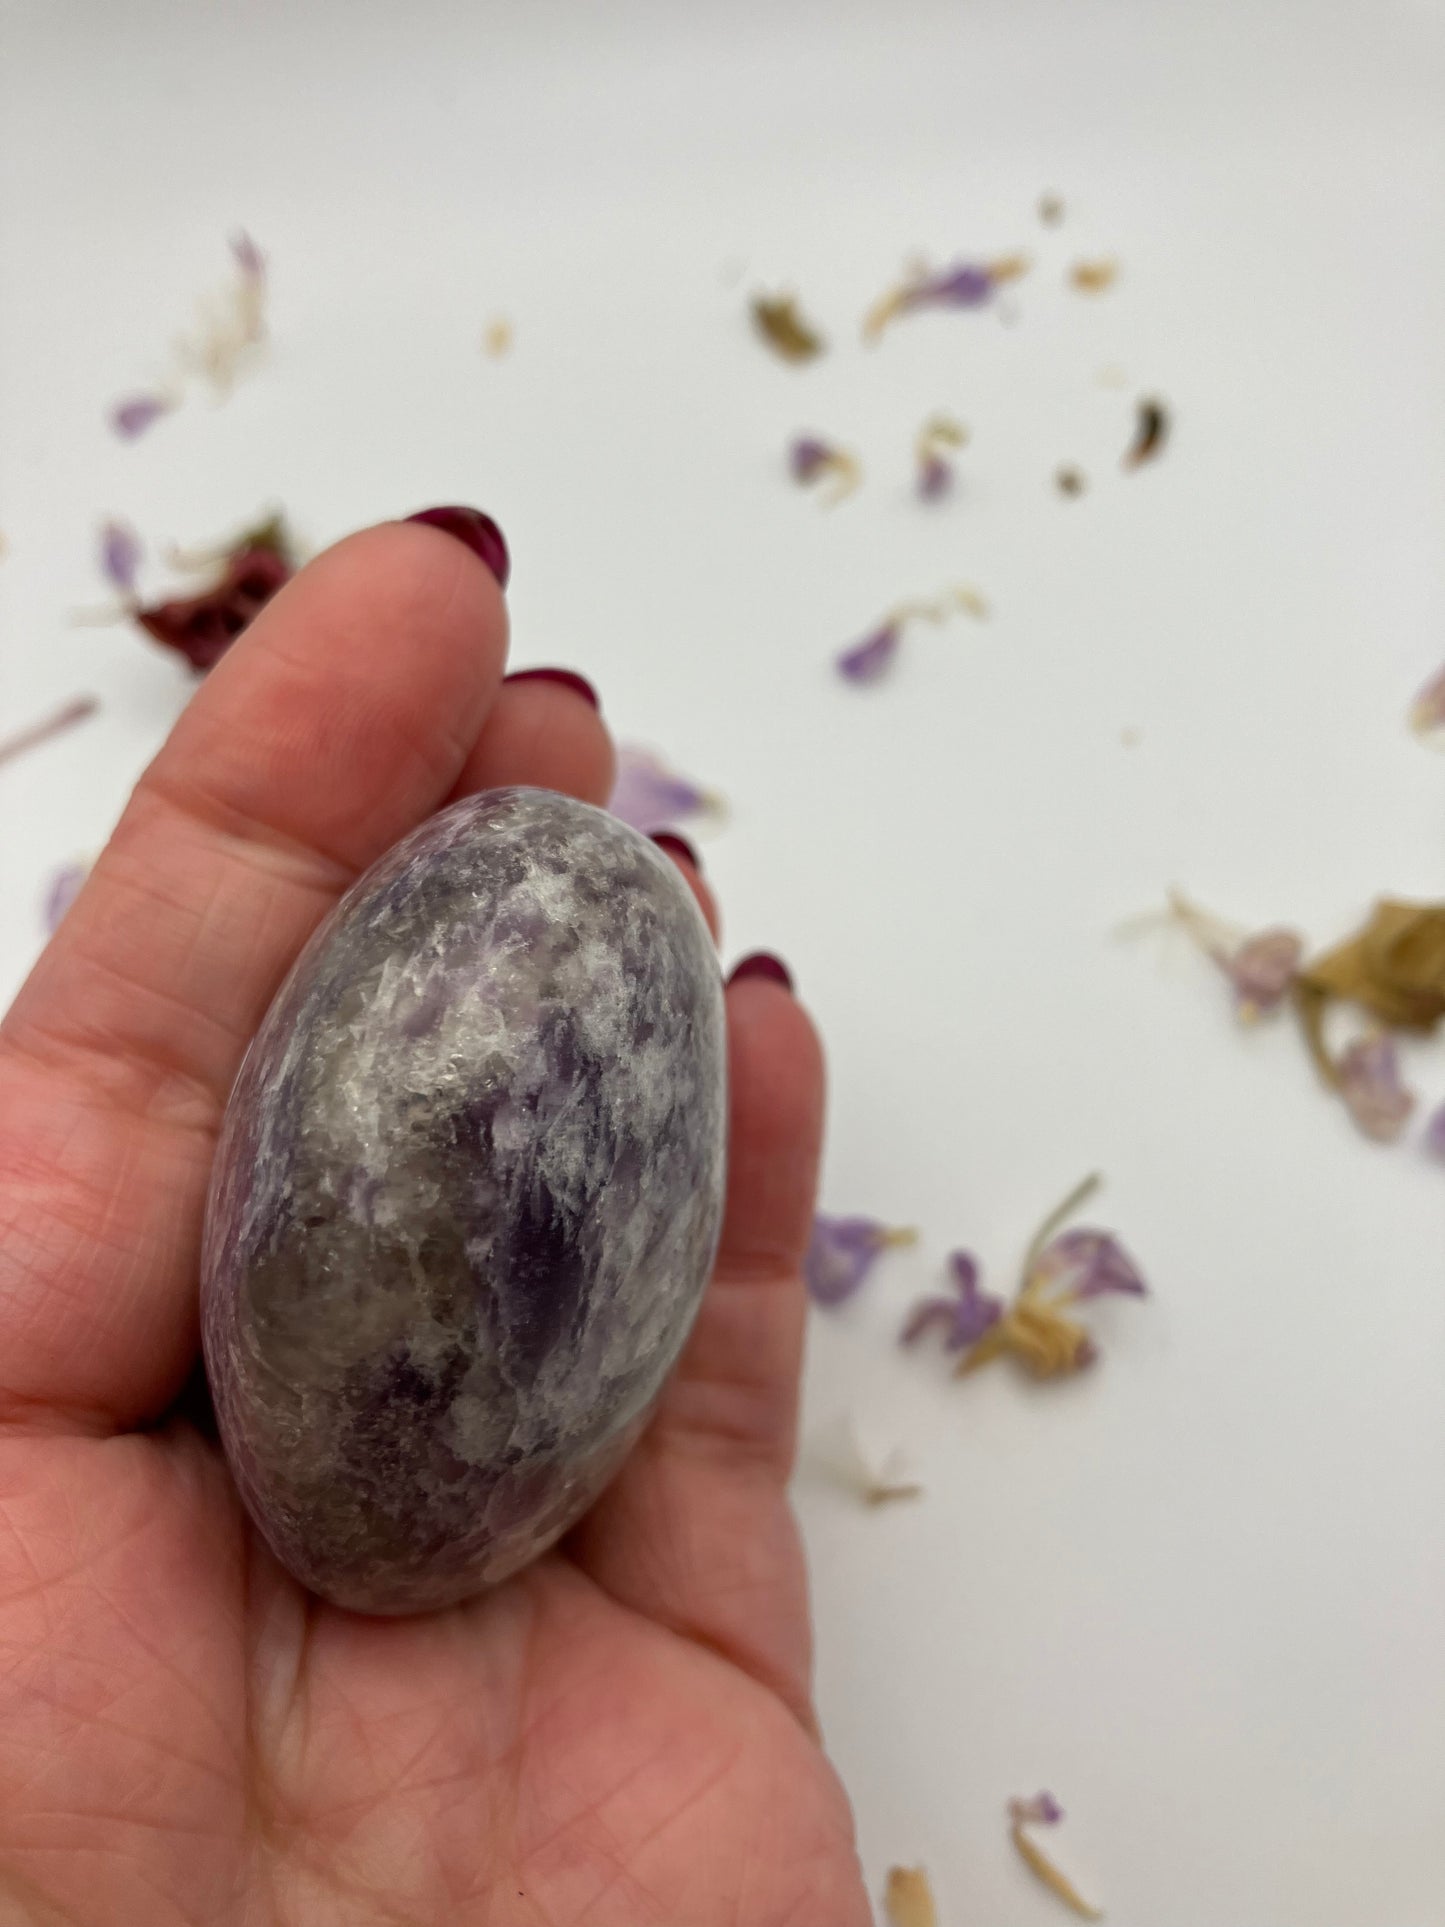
(696, 1531)
(686, 858)
(345, 715)
(546, 734)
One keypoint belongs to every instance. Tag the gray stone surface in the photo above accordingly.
(465, 1201)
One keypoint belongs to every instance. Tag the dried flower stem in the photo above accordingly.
(66, 717)
(1042, 1868)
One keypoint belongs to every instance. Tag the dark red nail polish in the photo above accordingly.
(566, 678)
(762, 963)
(475, 531)
(676, 845)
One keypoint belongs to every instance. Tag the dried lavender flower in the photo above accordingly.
(1427, 712)
(939, 435)
(961, 1319)
(867, 661)
(137, 413)
(1367, 1074)
(120, 556)
(1043, 1810)
(812, 459)
(650, 796)
(968, 284)
(843, 1251)
(66, 717)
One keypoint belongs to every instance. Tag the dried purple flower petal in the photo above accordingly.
(1262, 970)
(650, 796)
(1427, 712)
(869, 660)
(247, 256)
(968, 284)
(66, 717)
(61, 892)
(1092, 1264)
(939, 434)
(961, 1319)
(133, 417)
(1368, 1075)
(1042, 1810)
(812, 459)
(1435, 1135)
(120, 556)
(842, 1252)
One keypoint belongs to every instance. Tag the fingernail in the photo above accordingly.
(475, 531)
(762, 963)
(676, 845)
(567, 678)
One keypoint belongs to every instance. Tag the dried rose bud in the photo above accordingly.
(650, 796)
(1368, 1076)
(203, 627)
(961, 1319)
(843, 1251)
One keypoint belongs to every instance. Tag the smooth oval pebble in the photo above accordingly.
(465, 1200)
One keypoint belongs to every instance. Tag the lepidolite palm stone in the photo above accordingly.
(465, 1201)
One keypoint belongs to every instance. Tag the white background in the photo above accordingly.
(1201, 1594)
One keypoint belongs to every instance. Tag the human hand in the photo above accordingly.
(622, 1736)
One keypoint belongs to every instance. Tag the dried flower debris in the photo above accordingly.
(1151, 432)
(1043, 1810)
(1069, 480)
(968, 284)
(497, 338)
(908, 1898)
(77, 710)
(1051, 209)
(243, 575)
(870, 659)
(783, 326)
(812, 459)
(1093, 277)
(939, 438)
(224, 344)
(1434, 1138)
(877, 1477)
(1427, 712)
(1062, 1270)
(1393, 969)
(843, 1251)
(650, 796)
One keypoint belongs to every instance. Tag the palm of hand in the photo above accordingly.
(620, 1735)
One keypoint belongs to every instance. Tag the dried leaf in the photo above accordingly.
(1093, 277)
(1151, 432)
(779, 321)
(1394, 967)
(908, 1898)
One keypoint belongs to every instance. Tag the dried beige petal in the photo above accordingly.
(497, 337)
(908, 1898)
(1039, 1864)
(1093, 277)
